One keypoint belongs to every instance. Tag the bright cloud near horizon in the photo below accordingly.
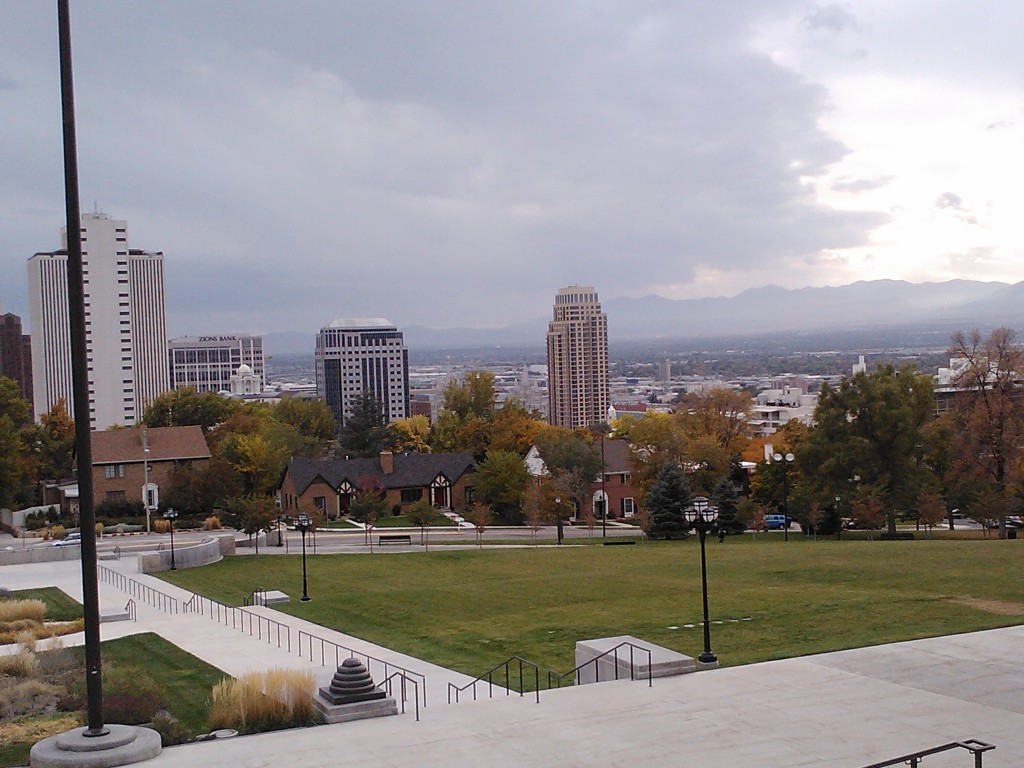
(454, 164)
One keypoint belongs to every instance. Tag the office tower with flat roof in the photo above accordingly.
(207, 363)
(125, 325)
(362, 355)
(577, 359)
(16, 354)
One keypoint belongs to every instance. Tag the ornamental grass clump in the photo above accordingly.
(18, 610)
(264, 701)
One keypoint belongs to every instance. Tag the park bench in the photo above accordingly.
(394, 538)
(618, 542)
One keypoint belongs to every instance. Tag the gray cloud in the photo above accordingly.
(833, 17)
(849, 184)
(950, 200)
(438, 164)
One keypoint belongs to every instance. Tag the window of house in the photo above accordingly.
(320, 502)
(627, 507)
(115, 496)
(411, 495)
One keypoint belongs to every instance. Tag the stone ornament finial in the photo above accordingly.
(351, 683)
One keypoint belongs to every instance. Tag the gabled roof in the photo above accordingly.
(411, 470)
(124, 446)
(616, 458)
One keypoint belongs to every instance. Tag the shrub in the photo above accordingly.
(99, 530)
(57, 532)
(171, 730)
(5, 593)
(212, 523)
(263, 701)
(21, 664)
(29, 697)
(13, 610)
(130, 696)
(161, 526)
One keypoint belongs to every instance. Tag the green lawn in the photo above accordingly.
(59, 607)
(184, 680)
(471, 609)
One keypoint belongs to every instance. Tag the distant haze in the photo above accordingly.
(881, 304)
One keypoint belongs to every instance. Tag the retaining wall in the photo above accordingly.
(190, 556)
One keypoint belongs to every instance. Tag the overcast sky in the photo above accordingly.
(456, 162)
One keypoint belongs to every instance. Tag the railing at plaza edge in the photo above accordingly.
(555, 679)
(137, 589)
(487, 678)
(260, 627)
(975, 747)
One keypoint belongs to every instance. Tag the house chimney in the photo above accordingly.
(387, 462)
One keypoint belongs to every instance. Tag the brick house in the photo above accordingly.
(623, 496)
(445, 479)
(118, 460)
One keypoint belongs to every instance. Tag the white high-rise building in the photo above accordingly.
(362, 355)
(125, 325)
(577, 359)
(208, 363)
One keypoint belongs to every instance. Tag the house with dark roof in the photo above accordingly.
(445, 479)
(616, 482)
(120, 456)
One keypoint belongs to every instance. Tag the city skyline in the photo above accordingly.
(276, 150)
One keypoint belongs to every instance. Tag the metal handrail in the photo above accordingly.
(130, 607)
(489, 677)
(388, 681)
(255, 598)
(342, 652)
(975, 747)
(557, 678)
(260, 627)
(144, 592)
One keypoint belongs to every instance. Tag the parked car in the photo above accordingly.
(1011, 522)
(775, 522)
(71, 540)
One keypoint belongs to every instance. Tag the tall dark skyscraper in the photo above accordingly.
(16, 354)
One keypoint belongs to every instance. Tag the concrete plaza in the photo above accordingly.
(849, 709)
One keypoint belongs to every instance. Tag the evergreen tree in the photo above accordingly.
(726, 498)
(366, 432)
(666, 499)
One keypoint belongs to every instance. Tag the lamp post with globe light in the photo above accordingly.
(169, 515)
(702, 517)
(303, 524)
(785, 461)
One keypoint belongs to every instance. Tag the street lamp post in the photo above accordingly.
(145, 477)
(604, 495)
(280, 540)
(558, 517)
(169, 515)
(702, 517)
(303, 523)
(789, 457)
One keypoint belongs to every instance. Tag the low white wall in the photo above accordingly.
(190, 556)
(15, 556)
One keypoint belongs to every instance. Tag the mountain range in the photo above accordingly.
(864, 305)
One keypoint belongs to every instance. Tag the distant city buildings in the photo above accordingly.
(125, 325)
(360, 355)
(577, 343)
(16, 354)
(215, 363)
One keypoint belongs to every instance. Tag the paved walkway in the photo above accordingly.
(844, 709)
